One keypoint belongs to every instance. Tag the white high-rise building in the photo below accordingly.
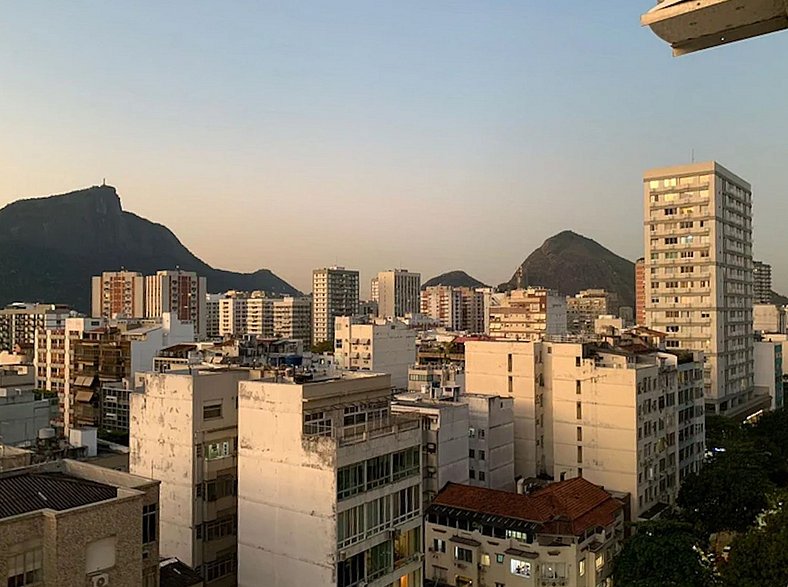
(293, 319)
(212, 313)
(242, 313)
(118, 294)
(329, 484)
(528, 314)
(699, 275)
(399, 293)
(181, 293)
(20, 322)
(334, 293)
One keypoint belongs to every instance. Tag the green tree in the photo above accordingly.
(770, 435)
(661, 554)
(326, 346)
(723, 432)
(728, 492)
(760, 556)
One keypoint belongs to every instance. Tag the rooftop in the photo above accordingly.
(23, 491)
(565, 507)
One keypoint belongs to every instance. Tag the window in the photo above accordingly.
(600, 561)
(471, 453)
(212, 411)
(350, 526)
(578, 387)
(579, 454)
(378, 515)
(219, 528)
(499, 558)
(218, 450)
(317, 424)
(224, 565)
(481, 476)
(579, 411)
(406, 463)
(485, 562)
(350, 480)
(406, 504)
(472, 474)
(481, 433)
(378, 471)
(481, 455)
(497, 584)
(463, 554)
(581, 567)
(579, 433)
(149, 524)
(378, 560)
(222, 486)
(26, 568)
(438, 545)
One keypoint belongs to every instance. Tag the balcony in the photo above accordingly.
(377, 428)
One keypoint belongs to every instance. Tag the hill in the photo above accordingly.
(453, 279)
(51, 247)
(569, 262)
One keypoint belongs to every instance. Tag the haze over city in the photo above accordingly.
(260, 131)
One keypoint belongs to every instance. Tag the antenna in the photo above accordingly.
(692, 154)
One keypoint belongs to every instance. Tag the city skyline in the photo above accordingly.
(274, 121)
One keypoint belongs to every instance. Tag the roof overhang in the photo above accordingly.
(694, 25)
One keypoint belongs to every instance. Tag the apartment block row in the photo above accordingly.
(240, 314)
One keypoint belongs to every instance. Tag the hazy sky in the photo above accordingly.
(430, 135)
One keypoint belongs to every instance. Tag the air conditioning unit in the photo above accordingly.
(101, 580)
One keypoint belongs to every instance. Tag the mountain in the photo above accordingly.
(569, 262)
(778, 299)
(453, 279)
(52, 246)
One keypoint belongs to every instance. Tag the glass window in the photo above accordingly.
(438, 545)
(406, 504)
(463, 554)
(212, 411)
(218, 450)
(350, 480)
(149, 524)
(499, 558)
(26, 568)
(378, 471)
(378, 515)
(406, 463)
(350, 526)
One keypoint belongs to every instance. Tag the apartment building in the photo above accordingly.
(566, 533)
(334, 293)
(699, 275)
(585, 307)
(380, 346)
(374, 290)
(244, 313)
(184, 432)
(769, 372)
(630, 419)
(490, 441)
(528, 314)
(768, 318)
(23, 412)
(445, 432)
(117, 294)
(640, 292)
(180, 293)
(20, 321)
(71, 523)
(761, 282)
(399, 293)
(293, 319)
(212, 312)
(445, 379)
(329, 488)
(455, 308)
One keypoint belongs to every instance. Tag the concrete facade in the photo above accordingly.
(382, 346)
(768, 318)
(585, 307)
(491, 441)
(399, 293)
(118, 294)
(631, 423)
(180, 293)
(329, 485)
(184, 432)
(761, 283)
(528, 314)
(293, 319)
(455, 308)
(699, 280)
(242, 313)
(640, 292)
(769, 370)
(20, 322)
(334, 293)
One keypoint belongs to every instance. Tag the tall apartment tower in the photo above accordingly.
(118, 293)
(293, 319)
(528, 314)
(640, 292)
(762, 282)
(20, 322)
(399, 293)
(329, 484)
(698, 265)
(179, 292)
(334, 293)
(184, 432)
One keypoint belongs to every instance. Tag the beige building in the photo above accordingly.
(242, 313)
(762, 282)
(455, 308)
(399, 293)
(564, 534)
(19, 322)
(585, 307)
(381, 346)
(630, 421)
(334, 293)
(491, 440)
(769, 370)
(293, 319)
(118, 294)
(181, 293)
(212, 312)
(329, 486)
(184, 432)
(640, 292)
(528, 314)
(768, 318)
(71, 523)
(699, 280)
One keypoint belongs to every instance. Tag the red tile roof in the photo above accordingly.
(566, 507)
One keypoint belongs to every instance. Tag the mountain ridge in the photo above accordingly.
(456, 278)
(52, 245)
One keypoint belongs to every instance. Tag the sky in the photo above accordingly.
(434, 135)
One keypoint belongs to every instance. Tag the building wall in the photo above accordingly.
(698, 263)
(528, 314)
(293, 319)
(22, 415)
(768, 318)
(492, 420)
(398, 293)
(640, 292)
(334, 293)
(769, 371)
(762, 282)
(118, 293)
